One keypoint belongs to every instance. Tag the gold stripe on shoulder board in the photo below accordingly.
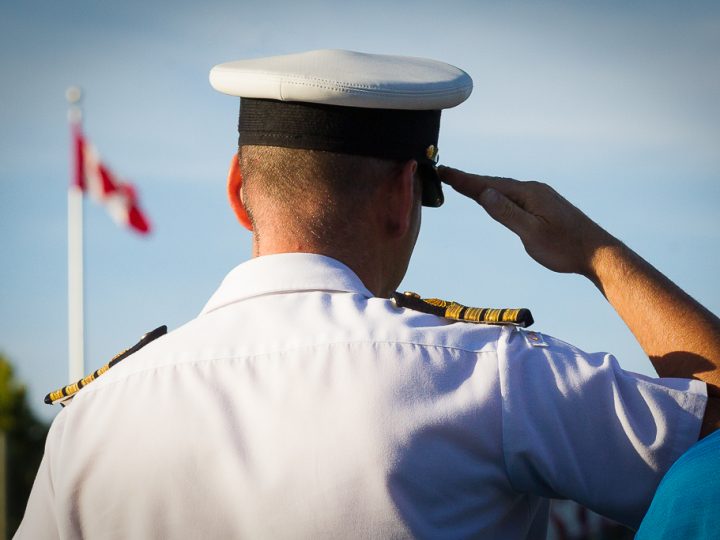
(458, 312)
(66, 393)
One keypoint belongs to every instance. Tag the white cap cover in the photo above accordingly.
(346, 78)
(347, 102)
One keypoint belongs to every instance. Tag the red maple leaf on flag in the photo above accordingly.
(119, 197)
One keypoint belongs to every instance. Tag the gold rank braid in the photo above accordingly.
(72, 389)
(459, 312)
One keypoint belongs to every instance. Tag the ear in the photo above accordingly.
(402, 193)
(234, 183)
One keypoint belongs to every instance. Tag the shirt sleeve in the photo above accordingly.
(577, 426)
(40, 519)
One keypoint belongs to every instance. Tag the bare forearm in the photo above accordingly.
(680, 336)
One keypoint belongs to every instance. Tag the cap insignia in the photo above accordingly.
(432, 153)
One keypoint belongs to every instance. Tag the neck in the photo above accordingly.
(376, 267)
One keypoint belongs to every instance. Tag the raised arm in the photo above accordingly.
(563, 239)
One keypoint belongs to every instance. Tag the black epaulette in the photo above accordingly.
(66, 393)
(452, 310)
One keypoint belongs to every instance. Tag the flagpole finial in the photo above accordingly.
(74, 95)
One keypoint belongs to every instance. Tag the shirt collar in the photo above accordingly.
(282, 273)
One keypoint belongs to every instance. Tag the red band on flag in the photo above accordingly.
(79, 158)
(137, 220)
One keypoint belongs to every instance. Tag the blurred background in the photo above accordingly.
(614, 104)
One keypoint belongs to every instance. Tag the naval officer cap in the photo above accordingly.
(347, 102)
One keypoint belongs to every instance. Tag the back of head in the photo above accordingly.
(334, 148)
(314, 196)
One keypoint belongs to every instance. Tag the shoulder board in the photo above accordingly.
(458, 312)
(66, 393)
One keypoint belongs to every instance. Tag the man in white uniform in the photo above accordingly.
(304, 403)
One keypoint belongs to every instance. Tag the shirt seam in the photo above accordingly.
(328, 84)
(93, 389)
(695, 404)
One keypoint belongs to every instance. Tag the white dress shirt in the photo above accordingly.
(297, 405)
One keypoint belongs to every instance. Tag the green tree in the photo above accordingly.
(25, 440)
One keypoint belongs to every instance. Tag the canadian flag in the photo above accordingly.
(92, 176)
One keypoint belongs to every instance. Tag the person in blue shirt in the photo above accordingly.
(687, 502)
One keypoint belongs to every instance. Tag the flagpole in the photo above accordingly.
(76, 320)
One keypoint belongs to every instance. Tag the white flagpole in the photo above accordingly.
(76, 320)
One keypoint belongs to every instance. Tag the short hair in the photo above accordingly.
(318, 192)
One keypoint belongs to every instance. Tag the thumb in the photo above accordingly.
(505, 211)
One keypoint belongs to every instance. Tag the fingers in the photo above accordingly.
(503, 198)
(506, 212)
(553, 231)
(469, 185)
(472, 185)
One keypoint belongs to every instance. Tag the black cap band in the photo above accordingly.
(382, 133)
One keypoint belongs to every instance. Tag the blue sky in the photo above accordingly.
(613, 103)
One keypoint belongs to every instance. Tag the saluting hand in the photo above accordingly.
(554, 232)
(562, 238)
